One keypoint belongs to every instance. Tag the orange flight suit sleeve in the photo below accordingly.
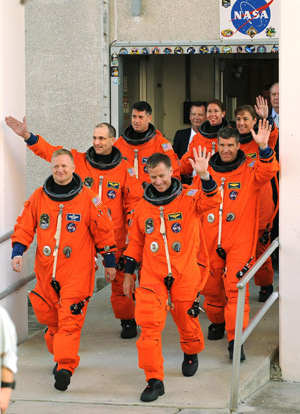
(27, 222)
(273, 137)
(265, 169)
(43, 149)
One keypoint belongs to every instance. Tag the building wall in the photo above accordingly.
(289, 221)
(64, 62)
(164, 20)
(12, 152)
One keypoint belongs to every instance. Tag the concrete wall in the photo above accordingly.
(64, 64)
(289, 222)
(165, 20)
(12, 151)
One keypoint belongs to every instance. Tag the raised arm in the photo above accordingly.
(261, 107)
(200, 162)
(263, 134)
(19, 128)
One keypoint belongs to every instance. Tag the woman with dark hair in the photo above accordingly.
(207, 135)
(246, 120)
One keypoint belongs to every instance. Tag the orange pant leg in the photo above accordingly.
(150, 314)
(67, 338)
(122, 306)
(191, 336)
(46, 313)
(230, 282)
(264, 275)
(215, 297)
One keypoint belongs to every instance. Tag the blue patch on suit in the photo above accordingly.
(71, 227)
(73, 217)
(233, 195)
(176, 227)
(111, 194)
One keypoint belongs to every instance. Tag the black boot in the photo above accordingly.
(189, 365)
(216, 331)
(128, 329)
(265, 292)
(62, 379)
(230, 349)
(154, 389)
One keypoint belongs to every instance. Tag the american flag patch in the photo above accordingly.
(166, 146)
(192, 192)
(131, 172)
(96, 201)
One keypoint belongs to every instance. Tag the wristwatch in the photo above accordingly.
(8, 384)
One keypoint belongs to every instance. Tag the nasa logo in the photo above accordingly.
(250, 16)
(233, 195)
(176, 227)
(71, 227)
(111, 194)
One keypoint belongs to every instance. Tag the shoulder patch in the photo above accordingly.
(191, 193)
(131, 172)
(252, 155)
(167, 146)
(96, 201)
(251, 164)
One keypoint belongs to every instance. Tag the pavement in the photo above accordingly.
(108, 380)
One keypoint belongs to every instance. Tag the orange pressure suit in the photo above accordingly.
(119, 191)
(137, 151)
(264, 275)
(205, 139)
(181, 211)
(85, 226)
(242, 182)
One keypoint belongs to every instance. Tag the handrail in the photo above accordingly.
(20, 283)
(6, 236)
(16, 286)
(240, 336)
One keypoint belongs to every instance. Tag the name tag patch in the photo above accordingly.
(73, 217)
(234, 186)
(174, 216)
(111, 184)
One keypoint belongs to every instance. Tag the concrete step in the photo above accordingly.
(108, 379)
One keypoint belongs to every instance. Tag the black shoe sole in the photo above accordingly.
(215, 337)
(146, 397)
(62, 380)
(128, 335)
(216, 334)
(189, 370)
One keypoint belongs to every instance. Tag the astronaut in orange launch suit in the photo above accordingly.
(103, 169)
(166, 237)
(71, 223)
(231, 230)
(141, 139)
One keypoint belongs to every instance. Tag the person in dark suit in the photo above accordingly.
(183, 137)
